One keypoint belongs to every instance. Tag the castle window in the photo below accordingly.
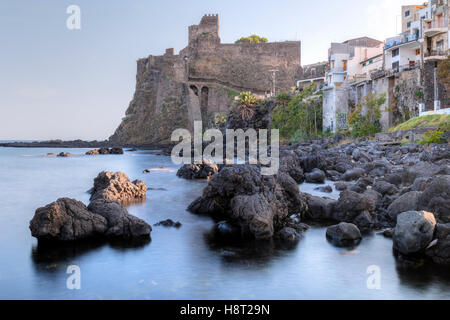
(195, 89)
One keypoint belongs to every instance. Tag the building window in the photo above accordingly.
(407, 13)
(417, 52)
(440, 45)
(408, 25)
(345, 64)
(395, 65)
(332, 64)
(395, 52)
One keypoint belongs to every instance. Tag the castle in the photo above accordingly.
(201, 82)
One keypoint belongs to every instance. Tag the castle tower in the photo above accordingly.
(206, 31)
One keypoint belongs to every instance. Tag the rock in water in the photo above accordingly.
(316, 176)
(70, 220)
(414, 231)
(440, 252)
(104, 151)
(289, 235)
(198, 171)
(344, 234)
(436, 198)
(325, 189)
(351, 204)
(121, 224)
(258, 204)
(64, 155)
(66, 220)
(169, 223)
(118, 187)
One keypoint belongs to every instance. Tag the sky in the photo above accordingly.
(57, 83)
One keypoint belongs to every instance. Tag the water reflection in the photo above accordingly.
(45, 253)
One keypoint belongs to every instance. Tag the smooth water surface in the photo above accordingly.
(177, 263)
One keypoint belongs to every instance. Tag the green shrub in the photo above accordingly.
(246, 106)
(252, 39)
(364, 121)
(298, 116)
(432, 137)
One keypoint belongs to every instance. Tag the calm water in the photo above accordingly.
(176, 264)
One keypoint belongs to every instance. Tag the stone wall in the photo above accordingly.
(406, 104)
(247, 65)
(429, 89)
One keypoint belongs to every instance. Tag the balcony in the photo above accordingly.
(434, 55)
(400, 40)
(378, 74)
(434, 28)
(402, 68)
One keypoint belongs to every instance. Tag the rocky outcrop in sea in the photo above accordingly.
(105, 218)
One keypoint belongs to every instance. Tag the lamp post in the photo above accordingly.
(274, 71)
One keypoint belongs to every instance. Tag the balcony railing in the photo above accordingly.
(402, 68)
(377, 74)
(435, 53)
(401, 39)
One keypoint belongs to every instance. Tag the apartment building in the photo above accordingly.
(348, 60)
(312, 73)
(350, 64)
(411, 14)
(404, 69)
(435, 49)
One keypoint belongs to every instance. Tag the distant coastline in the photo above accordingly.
(76, 144)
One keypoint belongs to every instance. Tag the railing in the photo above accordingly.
(378, 74)
(402, 68)
(435, 25)
(401, 39)
(434, 53)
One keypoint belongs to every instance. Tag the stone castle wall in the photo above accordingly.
(173, 91)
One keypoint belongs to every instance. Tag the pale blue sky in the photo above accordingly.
(58, 83)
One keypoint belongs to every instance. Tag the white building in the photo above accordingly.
(350, 62)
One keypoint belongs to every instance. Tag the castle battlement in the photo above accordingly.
(207, 29)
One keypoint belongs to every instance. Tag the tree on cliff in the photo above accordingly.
(252, 39)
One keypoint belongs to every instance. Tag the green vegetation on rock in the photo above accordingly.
(432, 137)
(437, 121)
(364, 121)
(298, 117)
